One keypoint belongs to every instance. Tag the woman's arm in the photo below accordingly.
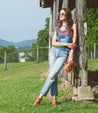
(55, 43)
(74, 41)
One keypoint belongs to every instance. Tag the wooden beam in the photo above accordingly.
(57, 10)
(53, 20)
(92, 3)
(65, 4)
(81, 18)
(54, 14)
(71, 3)
(50, 28)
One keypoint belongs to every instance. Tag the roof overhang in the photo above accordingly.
(71, 4)
(46, 3)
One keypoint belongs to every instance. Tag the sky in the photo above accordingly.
(21, 19)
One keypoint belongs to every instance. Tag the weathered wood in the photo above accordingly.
(80, 12)
(37, 53)
(57, 10)
(5, 63)
(73, 12)
(72, 77)
(46, 3)
(50, 28)
(53, 20)
(63, 73)
(71, 4)
(54, 14)
(94, 50)
(91, 55)
(78, 76)
(65, 4)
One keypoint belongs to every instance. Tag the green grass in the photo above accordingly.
(93, 64)
(20, 85)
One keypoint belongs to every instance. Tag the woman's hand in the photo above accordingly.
(71, 45)
(70, 62)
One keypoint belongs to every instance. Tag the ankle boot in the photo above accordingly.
(54, 101)
(37, 101)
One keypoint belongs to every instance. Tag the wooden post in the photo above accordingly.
(91, 55)
(62, 72)
(72, 76)
(57, 10)
(54, 14)
(5, 63)
(81, 18)
(65, 4)
(94, 50)
(50, 28)
(37, 53)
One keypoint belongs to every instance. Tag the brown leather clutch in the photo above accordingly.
(69, 68)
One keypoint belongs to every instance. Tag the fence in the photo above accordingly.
(41, 53)
(35, 51)
(93, 52)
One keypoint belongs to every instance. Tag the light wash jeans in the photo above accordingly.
(57, 58)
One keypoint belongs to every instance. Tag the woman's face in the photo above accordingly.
(62, 15)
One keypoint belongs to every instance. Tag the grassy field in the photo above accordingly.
(21, 83)
(93, 64)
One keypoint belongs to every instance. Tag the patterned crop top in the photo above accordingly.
(63, 37)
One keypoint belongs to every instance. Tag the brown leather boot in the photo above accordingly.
(54, 101)
(37, 101)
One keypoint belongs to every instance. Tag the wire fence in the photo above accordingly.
(39, 54)
(34, 54)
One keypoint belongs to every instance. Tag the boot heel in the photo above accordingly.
(54, 101)
(37, 101)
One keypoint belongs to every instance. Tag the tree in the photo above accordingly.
(92, 28)
(9, 49)
(2, 50)
(42, 41)
(92, 25)
(12, 58)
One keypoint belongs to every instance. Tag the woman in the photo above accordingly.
(64, 35)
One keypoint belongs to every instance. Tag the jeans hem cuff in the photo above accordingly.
(42, 94)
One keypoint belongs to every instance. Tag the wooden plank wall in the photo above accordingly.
(79, 75)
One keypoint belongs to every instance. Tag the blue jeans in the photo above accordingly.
(57, 58)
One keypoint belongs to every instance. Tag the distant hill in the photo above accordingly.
(17, 44)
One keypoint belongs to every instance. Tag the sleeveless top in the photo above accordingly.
(63, 37)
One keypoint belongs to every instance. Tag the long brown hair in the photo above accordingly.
(69, 21)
